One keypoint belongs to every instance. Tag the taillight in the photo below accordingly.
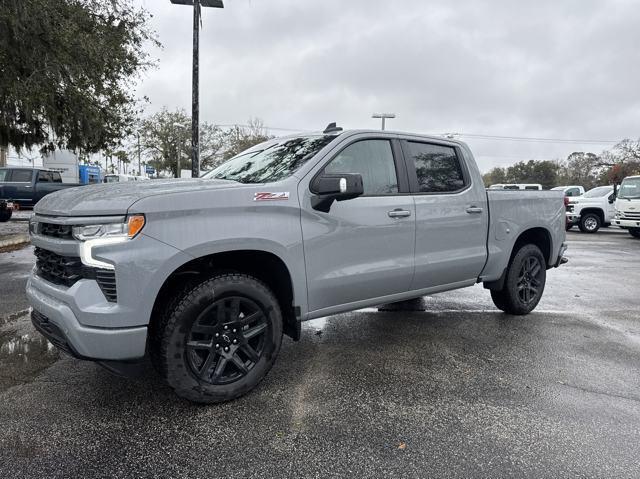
(566, 202)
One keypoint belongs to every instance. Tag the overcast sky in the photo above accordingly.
(561, 69)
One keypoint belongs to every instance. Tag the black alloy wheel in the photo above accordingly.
(227, 340)
(217, 339)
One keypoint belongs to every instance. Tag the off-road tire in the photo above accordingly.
(590, 223)
(510, 298)
(635, 232)
(189, 314)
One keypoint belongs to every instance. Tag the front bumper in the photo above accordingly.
(572, 218)
(626, 223)
(55, 319)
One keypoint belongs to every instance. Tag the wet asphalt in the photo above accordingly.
(461, 390)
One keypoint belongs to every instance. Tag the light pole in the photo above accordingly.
(179, 126)
(195, 95)
(384, 116)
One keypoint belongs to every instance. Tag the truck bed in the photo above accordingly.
(512, 212)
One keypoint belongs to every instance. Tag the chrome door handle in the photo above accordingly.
(398, 213)
(474, 210)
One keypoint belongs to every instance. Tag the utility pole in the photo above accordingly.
(195, 94)
(384, 116)
(139, 167)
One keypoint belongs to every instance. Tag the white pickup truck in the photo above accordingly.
(592, 210)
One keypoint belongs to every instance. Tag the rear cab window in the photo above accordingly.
(438, 168)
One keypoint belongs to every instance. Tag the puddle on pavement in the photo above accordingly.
(24, 353)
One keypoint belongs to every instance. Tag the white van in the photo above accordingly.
(628, 205)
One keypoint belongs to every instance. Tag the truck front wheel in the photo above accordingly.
(635, 232)
(219, 339)
(524, 283)
(590, 223)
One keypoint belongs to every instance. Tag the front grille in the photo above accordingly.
(570, 208)
(627, 215)
(57, 269)
(67, 270)
(55, 231)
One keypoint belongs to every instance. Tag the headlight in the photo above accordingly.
(105, 234)
(127, 230)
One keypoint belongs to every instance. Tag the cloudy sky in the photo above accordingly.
(553, 69)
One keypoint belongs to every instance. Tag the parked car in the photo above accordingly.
(205, 275)
(628, 206)
(516, 186)
(24, 187)
(118, 178)
(592, 210)
(570, 191)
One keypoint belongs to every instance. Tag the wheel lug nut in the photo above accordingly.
(235, 341)
(226, 349)
(234, 330)
(217, 335)
(226, 327)
(217, 346)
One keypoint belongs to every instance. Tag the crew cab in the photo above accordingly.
(206, 275)
(24, 187)
(592, 210)
(628, 206)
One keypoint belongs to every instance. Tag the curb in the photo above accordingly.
(14, 240)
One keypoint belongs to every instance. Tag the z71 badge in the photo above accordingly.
(283, 195)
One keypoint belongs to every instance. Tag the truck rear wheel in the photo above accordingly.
(219, 339)
(590, 223)
(5, 215)
(524, 283)
(635, 232)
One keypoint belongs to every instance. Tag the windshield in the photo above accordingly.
(278, 160)
(598, 192)
(630, 188)
(111, 179)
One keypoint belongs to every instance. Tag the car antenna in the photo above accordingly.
(332, 128)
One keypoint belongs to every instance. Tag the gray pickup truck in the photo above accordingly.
(204, 276)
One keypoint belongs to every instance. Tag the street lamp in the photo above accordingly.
(195, 95)
(180, 126)
(384, 116)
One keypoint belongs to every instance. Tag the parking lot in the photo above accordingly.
(458, 390)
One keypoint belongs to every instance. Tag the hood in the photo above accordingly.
(117, 198)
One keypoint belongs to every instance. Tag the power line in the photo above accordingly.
(535, 139)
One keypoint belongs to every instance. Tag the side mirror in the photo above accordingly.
(612, 200)
(328, 188)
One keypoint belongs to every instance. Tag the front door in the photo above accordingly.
(364, 247)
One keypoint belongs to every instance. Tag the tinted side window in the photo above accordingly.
(55, 177)
(373, 159)
(531, 188)
(438, 167)
(44, 177)
(21, 176)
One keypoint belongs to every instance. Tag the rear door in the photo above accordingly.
(22, 186)
(364, 247)
(451, 213)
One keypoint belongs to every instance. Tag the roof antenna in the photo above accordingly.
(332, 128)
